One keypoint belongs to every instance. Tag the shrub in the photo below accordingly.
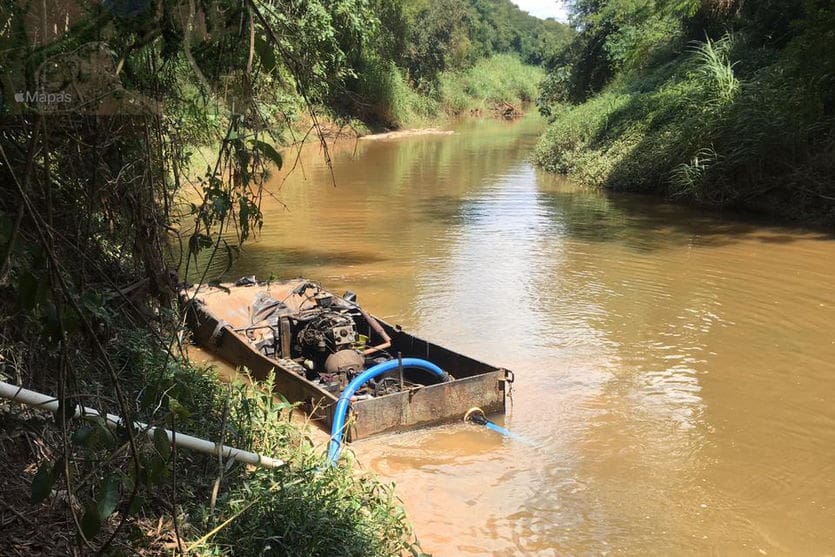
(498, 79)
(728, 123)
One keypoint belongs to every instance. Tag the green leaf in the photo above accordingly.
(109, 496)
(90, 522)
(199, 242)
(83, 436)
(103, 436)
(221, 206)
(28, 287)
(42, 482)
(178, 409)
(268, 151)
(161, 442)
(136, 504)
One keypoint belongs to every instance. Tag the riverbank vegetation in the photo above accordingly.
(58, 470)
(474, 54)
(104, 105)
(482, 89)
(423, 61)
(724, 103)
(489, 83)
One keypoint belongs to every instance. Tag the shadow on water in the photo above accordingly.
(643, 223)
(312, 257)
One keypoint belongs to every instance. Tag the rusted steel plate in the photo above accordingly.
(427, 406)
(236, 349)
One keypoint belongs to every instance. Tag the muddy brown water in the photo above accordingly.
(675, 368)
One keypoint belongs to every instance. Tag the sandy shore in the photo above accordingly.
(407, 133)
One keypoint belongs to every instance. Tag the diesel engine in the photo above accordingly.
(328, 340)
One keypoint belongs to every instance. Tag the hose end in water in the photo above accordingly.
(475, 415)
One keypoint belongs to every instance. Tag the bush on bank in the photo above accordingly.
(304, 508)
(491, 81)
(731, 121)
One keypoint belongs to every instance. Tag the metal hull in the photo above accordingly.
(476, 383)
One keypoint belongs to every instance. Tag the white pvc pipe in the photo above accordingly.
(45, 402)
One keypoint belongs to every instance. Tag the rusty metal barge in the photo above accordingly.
(315, 343)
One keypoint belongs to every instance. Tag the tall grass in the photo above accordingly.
(306, 508)
(386, 99)
(499, 79)
(723, 123)
(390, 101)
(712, 63)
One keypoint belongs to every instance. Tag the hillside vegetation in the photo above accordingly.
(421, 62)
(725, 103)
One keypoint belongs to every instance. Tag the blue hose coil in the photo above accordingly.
(344, 401)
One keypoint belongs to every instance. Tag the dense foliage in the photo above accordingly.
(453, 34)
(421, 44)
(729, 103)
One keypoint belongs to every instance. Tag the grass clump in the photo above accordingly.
(304, 508)
(390, 101)
(726, 122)
(491, 81)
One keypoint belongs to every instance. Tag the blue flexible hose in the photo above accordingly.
(476, 416)
(344, 401)
(507, 433)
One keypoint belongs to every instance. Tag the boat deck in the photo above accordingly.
(222, 321)
(234, 304)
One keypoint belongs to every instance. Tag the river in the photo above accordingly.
(675, 368)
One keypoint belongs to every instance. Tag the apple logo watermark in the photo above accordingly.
(42, 97)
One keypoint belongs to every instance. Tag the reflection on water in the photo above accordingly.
(674, 368)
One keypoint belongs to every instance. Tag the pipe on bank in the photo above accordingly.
(34, 399)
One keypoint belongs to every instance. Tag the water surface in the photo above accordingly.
(675, 368)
